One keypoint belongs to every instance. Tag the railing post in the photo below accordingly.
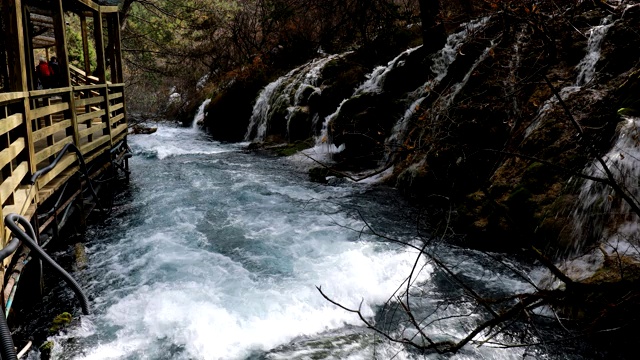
(99, 39)
(85, 48)
(61, 43)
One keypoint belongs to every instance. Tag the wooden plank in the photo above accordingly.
(7, 155)
(89, 101)
(90, 4)
(46, 191)
(64, 163)
(94, 144)
(23, 194)
(118, 85)
(48, 110)
(9, 123)
(91, 130)
(108, 9)
(118, 130)
(12, 182)
(89, 87)
(49, 92)
(91, 115)
(11, 96)
(53, 149)
(50, 130)
(114, 96)
(116, 107)
(116, 118)
(119, 137)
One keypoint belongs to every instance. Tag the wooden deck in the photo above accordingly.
(36, 125)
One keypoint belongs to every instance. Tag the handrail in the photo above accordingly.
(89, 87)
(49, 92)
(7, 98)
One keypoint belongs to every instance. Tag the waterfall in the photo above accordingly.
(323, 144)
(199, 118)
(448, 54)
(375, 80)
(284, 92)
(586, 70)
(440, 67)
(587, 66)
(599, 204)
(260, 114)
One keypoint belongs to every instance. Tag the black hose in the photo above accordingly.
(11, 221)
(11, 247)
(83, 167)
(7, 349)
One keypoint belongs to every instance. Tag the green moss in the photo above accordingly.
(293, 148)
(60, 322)
(47, 346)
(537, 177)
(46, 349)
(628, 112)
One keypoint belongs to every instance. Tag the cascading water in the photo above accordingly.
(586, 71)
(199, 118)
(600, 207)
(284, 92)
(440, 67)
(587, 66)
(215, 254)
(376, 79)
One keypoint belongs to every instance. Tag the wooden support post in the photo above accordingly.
(30, 67)
(85, 47)
(12, 13)
(99, 39)
(74, 120)
(118, 49)
(61, 43)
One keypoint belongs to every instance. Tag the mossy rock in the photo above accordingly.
(293, 148)
(318, 174)
(60, 322)
(45, 350)
(536, 177)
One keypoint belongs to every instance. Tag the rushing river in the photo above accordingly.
(214, 253)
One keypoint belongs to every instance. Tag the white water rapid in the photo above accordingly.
(214, 253)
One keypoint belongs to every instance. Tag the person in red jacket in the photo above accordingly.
(44, 74)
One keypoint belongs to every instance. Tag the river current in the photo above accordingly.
(215, 253)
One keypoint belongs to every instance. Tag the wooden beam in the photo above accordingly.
(11, 96)
(99, 40)
(12, 12)
(85, 46)
(61, 43)
(9, 123)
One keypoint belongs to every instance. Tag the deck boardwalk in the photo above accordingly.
(36, 124)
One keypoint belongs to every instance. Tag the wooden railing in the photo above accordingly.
(36, 125)
(14, 159)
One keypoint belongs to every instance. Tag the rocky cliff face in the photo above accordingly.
(485, 121)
